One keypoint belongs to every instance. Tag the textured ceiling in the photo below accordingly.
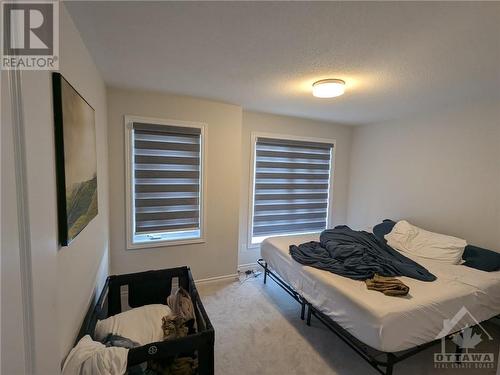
(398, 59)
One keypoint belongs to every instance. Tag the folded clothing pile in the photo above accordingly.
(136, 327)
(390, 286)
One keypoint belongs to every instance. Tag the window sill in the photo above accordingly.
(151, 244)
(251, 245)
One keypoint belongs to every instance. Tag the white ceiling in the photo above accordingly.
(398, 59)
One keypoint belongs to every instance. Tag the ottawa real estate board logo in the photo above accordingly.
(30, 35)
(468, 353)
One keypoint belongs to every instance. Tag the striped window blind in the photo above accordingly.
(167, 178)
(291, 187)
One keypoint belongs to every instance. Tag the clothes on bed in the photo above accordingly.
(390, 286)
(358, 255)
(90, 357)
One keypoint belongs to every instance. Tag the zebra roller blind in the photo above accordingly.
(167, 178)
(291, 186)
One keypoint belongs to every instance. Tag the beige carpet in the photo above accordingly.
(259, 331)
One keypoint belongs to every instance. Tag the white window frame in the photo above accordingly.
(129, 184)
(331, 181)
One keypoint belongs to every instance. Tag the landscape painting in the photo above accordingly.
(76, 160)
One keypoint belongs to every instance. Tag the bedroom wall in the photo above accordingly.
(12, 328)
(218, 255)
(438, 171)
(268, 123)
(64, 279)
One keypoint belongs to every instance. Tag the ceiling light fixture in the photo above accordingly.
(328, 88)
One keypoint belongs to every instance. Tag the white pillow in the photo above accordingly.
(413, 240)
(142, 324)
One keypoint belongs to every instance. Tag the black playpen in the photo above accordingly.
(153, 287)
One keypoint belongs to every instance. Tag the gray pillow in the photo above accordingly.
(385, 227)
(481, 259)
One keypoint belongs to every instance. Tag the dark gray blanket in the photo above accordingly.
(358, 255)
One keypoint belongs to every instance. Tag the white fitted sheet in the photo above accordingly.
(386, 323)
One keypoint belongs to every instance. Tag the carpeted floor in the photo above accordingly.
(259, 331)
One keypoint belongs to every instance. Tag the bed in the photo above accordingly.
(377, 320)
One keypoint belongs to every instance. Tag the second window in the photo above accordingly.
(291, 186)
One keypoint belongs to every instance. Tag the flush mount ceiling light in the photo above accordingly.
(328, 88)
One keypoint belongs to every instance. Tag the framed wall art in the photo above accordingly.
(76, 159)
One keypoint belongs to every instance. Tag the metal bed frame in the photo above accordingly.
(383, 362)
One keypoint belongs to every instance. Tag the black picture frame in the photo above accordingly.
(73, 217)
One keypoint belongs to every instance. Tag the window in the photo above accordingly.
(164, 182)
(291, 186)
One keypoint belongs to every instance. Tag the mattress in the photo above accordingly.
(389, 324)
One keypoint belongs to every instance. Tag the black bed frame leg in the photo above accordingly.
(390, 364)
(265, 272)
(302, 310)
(309, 313)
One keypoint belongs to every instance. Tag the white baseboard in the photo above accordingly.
(216, 278)
(248, 267)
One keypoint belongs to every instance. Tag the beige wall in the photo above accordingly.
(218, 255)
(12, 337)
(64, 279)
(262, 122)
(441, 172)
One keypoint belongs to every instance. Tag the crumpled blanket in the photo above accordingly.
(358, 255)
(390, 286)
(90, 357)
